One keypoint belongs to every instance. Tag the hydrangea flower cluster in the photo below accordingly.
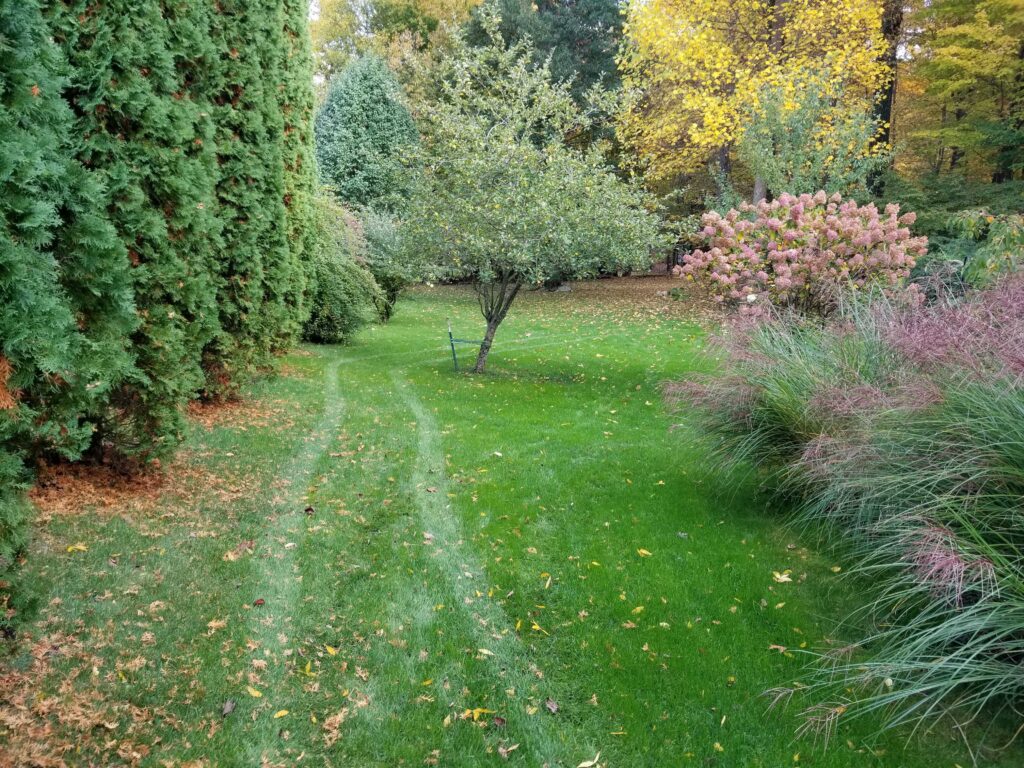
(795, 251)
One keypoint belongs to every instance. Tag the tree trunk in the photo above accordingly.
(485, 346)
(777, 45)
(495, 301)
(760, 190)
(892, 31)
(957, 153)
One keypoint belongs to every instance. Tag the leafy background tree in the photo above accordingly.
(501, 200)
(361, 129)
(695, 69)
(960, 103)
(344, 296)
(581, 38)
(808, 145)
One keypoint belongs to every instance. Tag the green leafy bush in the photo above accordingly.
(801, 142)
(998, 244)
(361, 130)
(383, 257)
(898, 433)
(343, 295)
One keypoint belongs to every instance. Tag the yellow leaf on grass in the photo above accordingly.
(643, 552)
(77, 547)
(280, 713)
(253, 692)
(638, 610)
(781, 578)
(331, 651)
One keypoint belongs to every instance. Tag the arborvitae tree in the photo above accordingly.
(136, 85)
(360, 130)
(64, 283)
(300, 184)
(261, 280)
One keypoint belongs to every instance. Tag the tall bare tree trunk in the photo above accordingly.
(892, 31)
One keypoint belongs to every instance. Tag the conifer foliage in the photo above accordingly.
(63, 278)
(156, 205)
(360, 131)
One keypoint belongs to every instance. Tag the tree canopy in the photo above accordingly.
(501, 200)
(696, 67)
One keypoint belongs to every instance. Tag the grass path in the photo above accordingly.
(280, 580)
(458, 574)
(525, 568)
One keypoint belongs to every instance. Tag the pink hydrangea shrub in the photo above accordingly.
(796, 251)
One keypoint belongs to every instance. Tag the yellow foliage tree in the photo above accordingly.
(341, 28)
(695, 68)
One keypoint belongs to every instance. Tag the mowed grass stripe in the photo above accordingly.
(462, 583)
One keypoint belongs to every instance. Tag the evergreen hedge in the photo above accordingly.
(156, 204)
(67, 307)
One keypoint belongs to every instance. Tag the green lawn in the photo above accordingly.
(536, 539)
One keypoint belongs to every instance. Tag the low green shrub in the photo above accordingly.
(382, 256)
(343, 296)
(897, 432)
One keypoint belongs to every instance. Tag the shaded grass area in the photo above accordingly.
(393, 564)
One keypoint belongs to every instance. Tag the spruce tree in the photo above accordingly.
(360, 130)
(64, 283)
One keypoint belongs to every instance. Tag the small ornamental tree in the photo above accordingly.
(795, 251)
(361, 128)
(501, 200)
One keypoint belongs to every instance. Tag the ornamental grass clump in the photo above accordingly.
(800, 252)
(897, 433)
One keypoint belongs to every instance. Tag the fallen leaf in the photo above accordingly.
(253, 692)
(330, 650)
(590, 763)
(504, 751)
(643, 552)
(77, 548)
(552, 706)
(781, 578)
(280, 713)
(228, 708)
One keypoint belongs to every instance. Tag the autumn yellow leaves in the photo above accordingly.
(696, 69)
